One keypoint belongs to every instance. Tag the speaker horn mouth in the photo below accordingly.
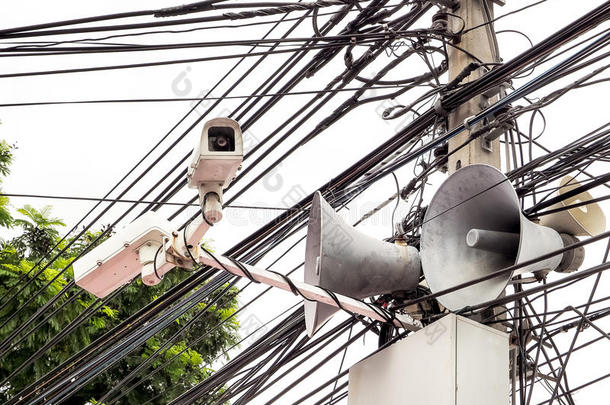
(580, 221)
(316, 314)
(472, 227)
(348, 262)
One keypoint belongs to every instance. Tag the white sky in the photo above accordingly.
(83, 150)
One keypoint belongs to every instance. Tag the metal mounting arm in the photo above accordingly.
(309, 291)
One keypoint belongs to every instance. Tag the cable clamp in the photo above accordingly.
(440, 109)
(467, 124)
(388, 30)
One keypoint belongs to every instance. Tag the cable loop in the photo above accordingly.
(155, 262)
(244, 270)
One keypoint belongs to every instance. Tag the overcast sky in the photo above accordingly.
(84, 150)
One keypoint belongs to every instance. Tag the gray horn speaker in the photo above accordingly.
(580, 221)
(473, 227)
(348, 262)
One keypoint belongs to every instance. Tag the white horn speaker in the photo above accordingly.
(348, 262)
(473, 227)
(586, 220)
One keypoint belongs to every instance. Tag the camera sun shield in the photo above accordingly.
(218, 155)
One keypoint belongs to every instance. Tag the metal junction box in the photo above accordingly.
(454, 361)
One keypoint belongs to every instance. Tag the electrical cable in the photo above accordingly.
(99, 39)
(162, 63)
(162, 100)
(35, 31)
(134, 182)
(355, 38)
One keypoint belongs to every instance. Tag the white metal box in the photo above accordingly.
(115, 262)
(454, 361)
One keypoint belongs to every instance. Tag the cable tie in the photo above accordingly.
(408, 189)
(186, 9)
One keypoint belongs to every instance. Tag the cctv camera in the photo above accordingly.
(215, 161)
(140, 246)
(135, 249)
(218, 154)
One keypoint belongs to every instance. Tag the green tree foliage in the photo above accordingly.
(6, 158)
(40, 231)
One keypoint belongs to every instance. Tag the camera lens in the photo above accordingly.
(221, 139)
(221, 142)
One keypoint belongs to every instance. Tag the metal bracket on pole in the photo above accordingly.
(446, 3)
(499, 130)
(486, 145)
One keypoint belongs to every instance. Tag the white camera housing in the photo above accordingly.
(212, 161)
(124, 255)
(215, 161)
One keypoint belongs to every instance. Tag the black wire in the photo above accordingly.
(134, 321)
(203, 203)
(109, 357)
(209, 305)
(161, 100)
(503, 15)
(160, 277)
(397, 201)
(355, 38)
(193, 7)
(243, 270)
(168, 361)
(161, 63)
(124, 192)
(226, 16)
(365, 59)
(84, 40)
(293, 288)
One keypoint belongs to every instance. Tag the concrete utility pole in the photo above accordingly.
(428, 366)
(480, 43)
